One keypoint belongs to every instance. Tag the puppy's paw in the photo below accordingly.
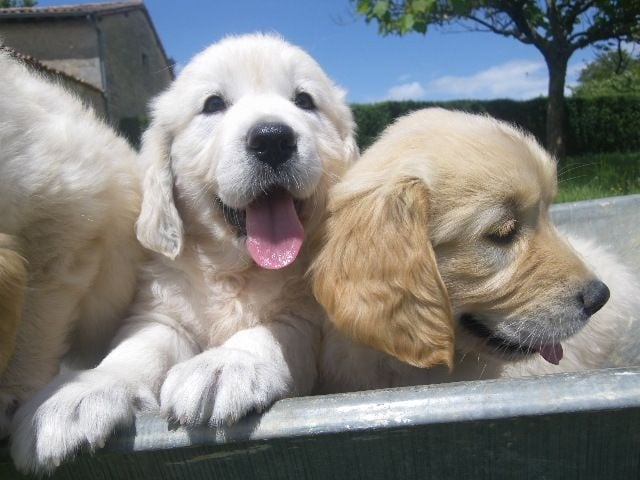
(76, 411)
(221, 385)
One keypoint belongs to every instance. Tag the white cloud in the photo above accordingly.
(516, 79)
(574, 69)
(630, 47)
(405, 91)
(519, 79)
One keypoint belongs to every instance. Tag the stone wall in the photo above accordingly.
(135, 66)
(117, 53)
(68, 44)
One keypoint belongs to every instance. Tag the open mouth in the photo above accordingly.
(236, 218)
(271, 225)
(551, 352)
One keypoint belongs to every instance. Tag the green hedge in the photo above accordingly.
(593, 125)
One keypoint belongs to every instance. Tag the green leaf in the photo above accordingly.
(420, 27)
(363, 7)
(421, 6)
(460, 6)
(406, 23)
(380, 8)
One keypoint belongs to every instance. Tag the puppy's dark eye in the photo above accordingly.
(305, 101)
(214, 104)
(504, 234)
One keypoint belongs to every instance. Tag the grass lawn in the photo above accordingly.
(600, 175)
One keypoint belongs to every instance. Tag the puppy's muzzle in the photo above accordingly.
(272, 143)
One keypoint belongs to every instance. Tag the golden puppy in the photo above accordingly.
(70, 194)
(442, 231)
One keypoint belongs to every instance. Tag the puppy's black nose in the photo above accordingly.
(593, 296)
(272, 143)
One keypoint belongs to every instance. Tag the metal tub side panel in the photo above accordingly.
(614, 222)
(562, 426)
(585, 446)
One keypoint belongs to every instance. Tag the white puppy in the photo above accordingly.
(240, 153)
(69, 198)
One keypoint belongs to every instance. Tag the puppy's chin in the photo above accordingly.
(475, 335)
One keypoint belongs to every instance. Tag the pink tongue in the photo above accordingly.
(274, 232)
(552, 353)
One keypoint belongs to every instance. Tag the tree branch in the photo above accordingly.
(515, 10)
(597, 32)
(499, 29)
(574, 10)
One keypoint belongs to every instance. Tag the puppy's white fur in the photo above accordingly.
(69, 198)
(610, 338)
(229, 336)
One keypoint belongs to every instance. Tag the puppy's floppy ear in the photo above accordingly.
(13, 282)
(159, 226)
(376, 274)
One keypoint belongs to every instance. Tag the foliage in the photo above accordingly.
(17, 3)
(612, 73)
(557, 28)
(581, 22)
(601, 124)
(597, 176)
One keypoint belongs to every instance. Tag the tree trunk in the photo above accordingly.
(557, 66)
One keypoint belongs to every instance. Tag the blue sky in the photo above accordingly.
(438, 66)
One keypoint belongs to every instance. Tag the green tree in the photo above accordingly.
(557, 28)
(17, 3)
(614, 72)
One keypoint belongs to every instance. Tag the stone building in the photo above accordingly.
(109, 53)
(90, 94)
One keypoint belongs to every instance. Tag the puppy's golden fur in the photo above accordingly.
(69, 198)
(442, 230)
(368, 291)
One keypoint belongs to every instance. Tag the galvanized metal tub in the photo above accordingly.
(582, 426)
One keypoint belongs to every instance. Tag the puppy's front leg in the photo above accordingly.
(81, 409)
(250, 371)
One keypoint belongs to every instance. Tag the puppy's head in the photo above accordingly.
(242, 148)
(442, 229)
